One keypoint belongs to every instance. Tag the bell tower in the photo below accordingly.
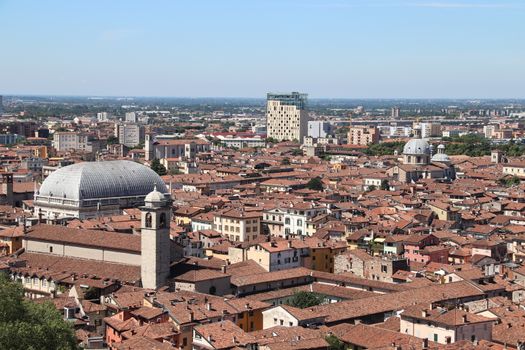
(155, 239)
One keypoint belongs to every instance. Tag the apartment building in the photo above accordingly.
(287, 116)
(276, 255)
(173, 147)
(362, 135)
(129, 135)
(298, 215)
(238, 225)
(71, 141)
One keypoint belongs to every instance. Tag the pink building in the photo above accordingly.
(415, 251)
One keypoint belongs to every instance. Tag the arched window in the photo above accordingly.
(299, 222)
(287, 221)
(162, 220)
(148, 220)
(213, 290)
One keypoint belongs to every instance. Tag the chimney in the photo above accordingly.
(223, 268)
(208, 306)
(424, 313)
(191, 316)
(210, 338)
(424, 344)
(464, 318)
(289, 244)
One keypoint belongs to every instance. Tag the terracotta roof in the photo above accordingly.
(87, 238)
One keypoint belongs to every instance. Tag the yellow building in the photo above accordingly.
(322, 254)
(11, 240)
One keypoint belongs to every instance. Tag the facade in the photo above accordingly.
(319, 129)
(71, 141)
(287, 116)
(129, 135)
(445, 326)
(363, 136)
(394, 112)
(173, 148)
(275, 255)
(131, 117)
(430, 129)
(514, 169)
(238, 225)
(93, 189)
(297, 216)
(242, 141)
(102, 116)
(9, 139)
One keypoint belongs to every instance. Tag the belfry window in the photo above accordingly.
(148, 220)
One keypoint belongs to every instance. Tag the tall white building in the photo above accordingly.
(286, 116)
(129, 135)
(430, 129)
(1, 104)
(131, 117)
(319, 128)
(488, 130)
(102, 116)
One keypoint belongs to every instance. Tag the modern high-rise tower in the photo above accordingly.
(1, 104)
(287, 116)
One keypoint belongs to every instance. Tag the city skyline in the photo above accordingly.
(336, 49)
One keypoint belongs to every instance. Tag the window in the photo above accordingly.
(274, 321)
(148, 220)
(185, 342)
(299, 222)
(435, 337)
(51, 249)
(282, 322)
(162, 220)
(287, 221)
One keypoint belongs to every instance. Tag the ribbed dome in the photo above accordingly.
(416, 147)
(93, 180)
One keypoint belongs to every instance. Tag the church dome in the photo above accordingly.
(417, 147)
(99, 180)
(440, 157)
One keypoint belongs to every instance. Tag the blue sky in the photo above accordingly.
(244, 48)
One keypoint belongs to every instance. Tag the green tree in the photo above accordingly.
(28, 325)
(315, 184)
(285, 161)
(158, 168)
(385, 185)
(334, 343)
(112, 140)
(305, 299)
(509, 181)
(385, 148)
(297, 152)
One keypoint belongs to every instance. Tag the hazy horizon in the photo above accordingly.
(333, 49)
